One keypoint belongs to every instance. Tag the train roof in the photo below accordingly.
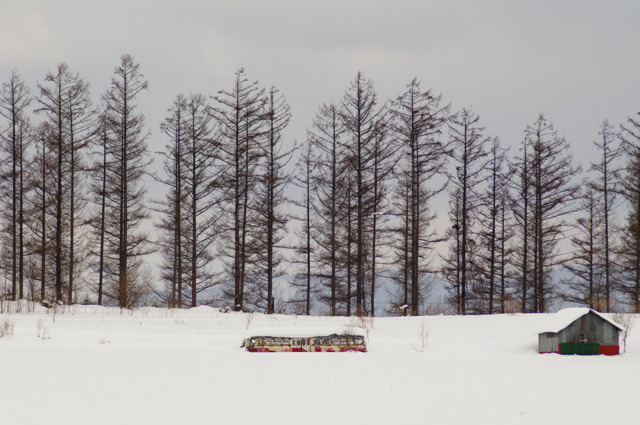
(302, 332)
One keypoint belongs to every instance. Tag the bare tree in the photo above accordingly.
(469, 151)
(553, 193)
(586, 284)
(81, 124)
(401, 293)
(604, 185)
(329, 198)
(520, 203)
(630, 238)
(124, 187)
(305, 248)
(52, 102)
(239, 115)
(271, 218)
(171, 209)
(14, 141)
(492, 233)
(188, 213)
(418, 119)
(102, 164)
(203, 184)
(384, 160)
(65, 102)
(506, 264)
(40, 206)
(363, 121)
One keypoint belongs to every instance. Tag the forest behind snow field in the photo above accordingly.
(338, 218)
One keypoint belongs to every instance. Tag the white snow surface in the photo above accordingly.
(557, 321)
(95, 365)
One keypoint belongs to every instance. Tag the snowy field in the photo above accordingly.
(91, 365)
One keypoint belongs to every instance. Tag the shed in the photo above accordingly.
(580, 331)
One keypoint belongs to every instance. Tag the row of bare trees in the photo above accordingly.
(53, 178)
(526, 234)
(361, 201)
(225, 169)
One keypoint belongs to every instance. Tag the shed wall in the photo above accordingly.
(548, 342)
(590, 328)
(587, 329)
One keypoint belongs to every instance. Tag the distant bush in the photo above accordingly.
(626, 321)
(6, 327)
(43, 330)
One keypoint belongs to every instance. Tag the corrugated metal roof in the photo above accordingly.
(563, 318)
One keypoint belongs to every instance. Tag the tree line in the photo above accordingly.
(347, 213)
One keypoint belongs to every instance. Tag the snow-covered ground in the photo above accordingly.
(92, 365)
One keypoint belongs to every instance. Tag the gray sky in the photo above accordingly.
(576, 61)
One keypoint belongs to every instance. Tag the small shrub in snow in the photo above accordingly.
(361, 322)
(626, 321)
(423, 338)
(248, 319)
(43, 330)
(6, 327)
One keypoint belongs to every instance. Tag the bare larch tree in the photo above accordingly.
(14, 141)
(362, 119)
(271, 215)
(630, 238)
(239, 116)
(492, 246)
(604, 185)
(586, 283)
(417, 122)
(65, 102)
(553, 193)
(468, 147)
(125, 189)
(329, 200)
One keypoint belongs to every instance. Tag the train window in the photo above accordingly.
(268, 340)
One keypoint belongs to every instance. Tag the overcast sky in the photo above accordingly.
(576, 61)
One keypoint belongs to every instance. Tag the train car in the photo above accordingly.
(272, 341)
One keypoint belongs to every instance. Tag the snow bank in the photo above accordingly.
(92, 365)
